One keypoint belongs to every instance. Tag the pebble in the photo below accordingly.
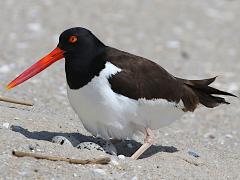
(34, 147)
(134, 178)
(114, 162)
(166, 134)
(23, 173)
(31, 147)
(16, 118)
(228, 136)
(193, 153)
(122, 157)
(6, 125)
(173, 44)
(4, 69)
(36, 27)
(209, 135)
(185, 55)
(221, 141)
(99, 172)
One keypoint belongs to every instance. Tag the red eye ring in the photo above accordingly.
(72, 39)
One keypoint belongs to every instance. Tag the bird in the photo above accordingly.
(117, 94)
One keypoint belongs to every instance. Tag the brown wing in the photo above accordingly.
(142, 78)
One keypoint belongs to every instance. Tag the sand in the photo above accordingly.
(191, 39)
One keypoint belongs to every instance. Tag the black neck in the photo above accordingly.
(82, 67)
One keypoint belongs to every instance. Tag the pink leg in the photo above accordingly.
(148, 141)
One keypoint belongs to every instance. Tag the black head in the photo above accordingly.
(79, 42)
(84, 54)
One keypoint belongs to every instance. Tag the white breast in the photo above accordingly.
(110, 115)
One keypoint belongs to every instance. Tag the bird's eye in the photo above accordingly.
(72, 39)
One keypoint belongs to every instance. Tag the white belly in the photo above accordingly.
(110, 115)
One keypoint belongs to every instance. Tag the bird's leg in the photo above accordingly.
(148, 141)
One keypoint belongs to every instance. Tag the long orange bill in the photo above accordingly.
(36, 68)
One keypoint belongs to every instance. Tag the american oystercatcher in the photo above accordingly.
(117, 94)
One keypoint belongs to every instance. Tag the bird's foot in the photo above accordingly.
(150, 138)
(148, 141)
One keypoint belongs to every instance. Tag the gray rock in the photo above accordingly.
(99, 172)
(193, 153)
(5, 125)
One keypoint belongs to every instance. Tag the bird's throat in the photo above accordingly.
(79, 72)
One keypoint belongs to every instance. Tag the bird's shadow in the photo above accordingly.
(126, 148)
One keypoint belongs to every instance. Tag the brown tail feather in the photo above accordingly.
(205, 93)
(203, 82)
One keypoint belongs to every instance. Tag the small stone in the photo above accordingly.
(209, 135)
(6, 125)
(37, 149)
(4, 69)
(23, 173)
(134, 178)
(31, 147)
(16, 118)
(99, 172)
(36, 27)
(173, 44)
(114, 162)
(185, 55)
(122, 157)
(34, 147)
(228, 136)
(193, 153)
(221, 140)
(74, 174)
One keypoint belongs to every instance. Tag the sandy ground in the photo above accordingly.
(191, 39)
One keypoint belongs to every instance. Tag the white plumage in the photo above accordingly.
(107, 114)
